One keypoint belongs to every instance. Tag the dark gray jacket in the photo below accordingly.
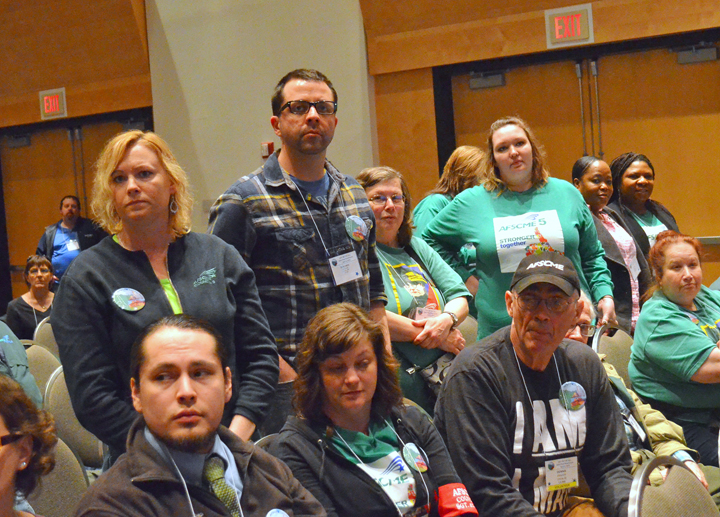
(622, 291)
(95, 333)
(142, 484)
(343, 488)
(662, 213)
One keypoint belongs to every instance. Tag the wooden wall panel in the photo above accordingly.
(406, 127)
(36, 177)
(546, 96)
(96, 50)
(649, 104)
(467, 30)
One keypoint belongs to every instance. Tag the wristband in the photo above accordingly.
(454, 317)
(454, 501)
(683, 456)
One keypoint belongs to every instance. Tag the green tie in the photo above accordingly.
(214, 474)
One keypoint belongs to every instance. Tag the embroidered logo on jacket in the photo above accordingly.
(206, 277)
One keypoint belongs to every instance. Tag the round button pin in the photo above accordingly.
(128, 299)
(356, 228)
(414, 458)
(572, 396)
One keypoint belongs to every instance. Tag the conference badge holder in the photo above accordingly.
(344, 264)
(561, 473)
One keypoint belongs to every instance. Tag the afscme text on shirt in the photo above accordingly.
(546, 263)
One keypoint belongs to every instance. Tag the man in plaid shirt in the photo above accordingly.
(306, 230)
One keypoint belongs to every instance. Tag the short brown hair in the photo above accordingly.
(103, 204)
(70, 196)
(490, 175)
(334, 330)
(302, 74)
(22, 417)
(175, 321)
(461, 171)
(372, 176)
(656, 257)
(37, 260)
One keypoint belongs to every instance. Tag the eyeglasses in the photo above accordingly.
(9, 438)
(302, 107)
(587, 330)
(397, 199)
(556, 304)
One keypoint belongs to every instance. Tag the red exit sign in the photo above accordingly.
(569, 26)
(52, 104)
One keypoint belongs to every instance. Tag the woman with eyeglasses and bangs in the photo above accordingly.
(427, 300)
(25, 312)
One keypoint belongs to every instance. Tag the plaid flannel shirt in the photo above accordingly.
(265, 216)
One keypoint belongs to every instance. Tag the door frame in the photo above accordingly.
(140, 117)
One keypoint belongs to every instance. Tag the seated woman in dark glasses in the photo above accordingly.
(27, 442)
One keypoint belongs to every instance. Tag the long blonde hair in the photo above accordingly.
(103, 205)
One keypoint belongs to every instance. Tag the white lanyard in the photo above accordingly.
(527, 392)
(427, 492)
(342, 201)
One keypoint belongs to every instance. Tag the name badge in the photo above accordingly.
(73, 245)
(636, 427)
(423, 313)
(344, 264)
(635, 267)
(561, 473)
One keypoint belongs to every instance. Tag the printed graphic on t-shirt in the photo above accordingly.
(653, 231)
(413, 280)
(394, 477)
(518, 236)
(711, 330)
(556, 433)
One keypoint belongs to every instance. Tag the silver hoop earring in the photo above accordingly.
(173, 206)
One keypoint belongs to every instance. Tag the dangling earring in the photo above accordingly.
(173, 205)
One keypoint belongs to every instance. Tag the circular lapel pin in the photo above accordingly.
(356, 228)
(128, 299)
(414, 458)
(572, 396)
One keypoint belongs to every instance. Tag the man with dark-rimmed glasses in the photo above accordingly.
(305, 229)
(523, 410)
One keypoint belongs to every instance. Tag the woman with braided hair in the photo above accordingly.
(633, 177)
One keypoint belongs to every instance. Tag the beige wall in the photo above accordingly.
(215, 63)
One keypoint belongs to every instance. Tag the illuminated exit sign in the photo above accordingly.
(52, 104)
(569, 26)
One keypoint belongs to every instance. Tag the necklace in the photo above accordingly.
(36, 301)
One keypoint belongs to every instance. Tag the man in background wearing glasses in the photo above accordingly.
(305, 229)
(523, 410)
(649, 433)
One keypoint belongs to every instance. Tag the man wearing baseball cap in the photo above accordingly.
(525, 409)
